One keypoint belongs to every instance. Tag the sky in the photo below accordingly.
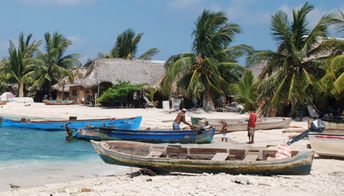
(93, 25)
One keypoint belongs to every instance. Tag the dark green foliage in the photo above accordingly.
(119, 91)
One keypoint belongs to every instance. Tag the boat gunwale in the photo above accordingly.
(58, 121)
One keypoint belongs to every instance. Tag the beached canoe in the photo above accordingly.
(334, 125)
(176, 158)
(328, 143)
(125, 123)
(154, 136)
(241, 124)
(61, 102)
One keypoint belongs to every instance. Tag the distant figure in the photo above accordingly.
(180, 118)
(224, 131)
(251, 126)
(206, 125)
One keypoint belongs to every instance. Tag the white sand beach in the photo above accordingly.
(326, 178)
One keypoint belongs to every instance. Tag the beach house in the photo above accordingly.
(103, 73)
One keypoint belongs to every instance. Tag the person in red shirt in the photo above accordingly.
(251, 126)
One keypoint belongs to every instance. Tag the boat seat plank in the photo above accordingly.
(220, 156)
(154, 154)
(251, 157)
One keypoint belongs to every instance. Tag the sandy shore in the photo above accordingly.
(327, 175)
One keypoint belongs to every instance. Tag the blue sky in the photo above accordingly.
(93, 25)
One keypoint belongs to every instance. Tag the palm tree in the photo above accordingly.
(290, 73)
(333, 81)
(245, 90)
(198, 72)
(21, 61)
(54, 65)
(126, 47)
(339, 22)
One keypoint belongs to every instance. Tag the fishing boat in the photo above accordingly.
(241, 124)
(125, 123)
(154, 136)
(176, 158)
(58, 102)
(328, 143)
(334, 125)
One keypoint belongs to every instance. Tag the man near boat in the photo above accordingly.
(251, 126)
(180, 119)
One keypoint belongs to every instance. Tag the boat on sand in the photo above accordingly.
(154, 136)
(241, 124)
(58, 102)
(125, 123)
(328, 143)
(176, 158)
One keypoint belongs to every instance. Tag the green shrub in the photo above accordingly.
(120, 90)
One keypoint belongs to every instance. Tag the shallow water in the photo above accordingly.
(30, 144)
(36, 157)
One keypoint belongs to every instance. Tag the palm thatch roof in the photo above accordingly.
(135, 71)
(77, 73)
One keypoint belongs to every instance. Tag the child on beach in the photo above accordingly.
(224, 132)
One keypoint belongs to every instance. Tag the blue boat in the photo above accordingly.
(124, 123)
(153, 136)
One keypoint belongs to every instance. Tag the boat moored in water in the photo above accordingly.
(198, 135)
(125, 123)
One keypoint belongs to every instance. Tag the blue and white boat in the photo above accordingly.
(153, 136)
(123, 123)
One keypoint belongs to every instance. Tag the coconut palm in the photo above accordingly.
(126, 47)
(290, 73)
(245, 90)
(198, 72)
(333, 80)
(53, 64)
(339, 22)
(21, 61)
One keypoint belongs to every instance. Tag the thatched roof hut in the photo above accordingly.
(135, 71)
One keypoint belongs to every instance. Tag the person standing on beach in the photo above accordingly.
(180, 118)
(251, 126)
(224, 131)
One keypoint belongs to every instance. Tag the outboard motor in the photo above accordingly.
(316, 126)
(69, 132)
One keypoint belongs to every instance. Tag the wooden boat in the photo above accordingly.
(60, 102)
(334, 125)
(125, 123)
(241, 124)
(328, 143)
(154, 136)
(176, 158)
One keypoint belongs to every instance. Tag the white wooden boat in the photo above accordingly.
(328, 143)
(241, 124)
(176, 158)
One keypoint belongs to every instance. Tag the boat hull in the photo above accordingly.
(153, 136)
(299, 164)
(46, 102)
(328, 144)
(241, 125)
(125, 123)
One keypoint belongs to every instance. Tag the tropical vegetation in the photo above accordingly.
(126, 47)
(290, 74)
(198, 72)
(119, 91)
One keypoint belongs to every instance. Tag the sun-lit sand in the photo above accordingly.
(326, 178)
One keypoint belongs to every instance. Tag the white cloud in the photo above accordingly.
(57, 2)
(183, 4)
(75, 39)
(243, 12)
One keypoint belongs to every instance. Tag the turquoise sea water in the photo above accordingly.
(29, 144)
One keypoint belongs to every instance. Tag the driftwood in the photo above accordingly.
(143, 171)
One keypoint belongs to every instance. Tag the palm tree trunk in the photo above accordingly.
(21, 89)
(208, 102)
(50, 90)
